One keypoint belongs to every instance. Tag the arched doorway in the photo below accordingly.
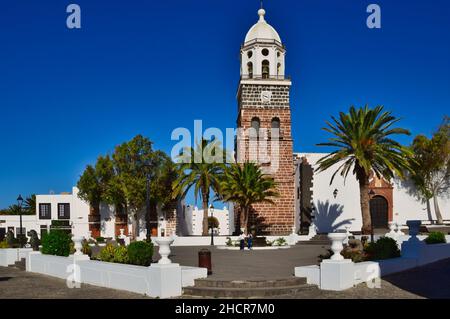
(379, 211)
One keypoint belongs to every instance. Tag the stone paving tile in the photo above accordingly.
(251, 265)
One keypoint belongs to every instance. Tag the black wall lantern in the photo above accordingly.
(335, 193)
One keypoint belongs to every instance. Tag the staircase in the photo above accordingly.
(246, 289)
(320, 240)
(19, 264)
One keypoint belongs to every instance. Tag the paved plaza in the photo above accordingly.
(250, 264)
(431, 281)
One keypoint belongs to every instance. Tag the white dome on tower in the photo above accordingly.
(262, 30)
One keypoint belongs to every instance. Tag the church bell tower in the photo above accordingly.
(264, 111)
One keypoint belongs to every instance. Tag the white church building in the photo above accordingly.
(263, 100)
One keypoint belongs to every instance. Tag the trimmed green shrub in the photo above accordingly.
(100, 240)
(383, 248)
(56, 242)
(280, 242)
(107, 253)
(10, 239)
(121, 255)
(140, 253)
(4, 244)
(436, 238)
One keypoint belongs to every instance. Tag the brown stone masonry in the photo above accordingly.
(277, 219)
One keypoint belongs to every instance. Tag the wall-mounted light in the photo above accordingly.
(335, 193)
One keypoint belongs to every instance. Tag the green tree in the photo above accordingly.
(364, 144)
(431, 166)
(246, 185)
(202, 169)
(90, 189)
(132, 162)
(163, 175)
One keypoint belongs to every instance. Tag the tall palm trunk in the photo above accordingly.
(364, 199)
(437, 211)
(244, 218)
(205, 198)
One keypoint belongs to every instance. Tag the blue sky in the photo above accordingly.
(148, 67)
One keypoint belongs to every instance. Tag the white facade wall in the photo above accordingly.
(79, 211)
(28, 222)
(336, 213)
(79, 217)
(192, 221)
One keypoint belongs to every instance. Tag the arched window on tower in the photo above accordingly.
(265, 69)
(278, 69)
(256, 124)
(250, 70)
(275, 122)
(275, 125)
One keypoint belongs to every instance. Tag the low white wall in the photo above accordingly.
(109, 275)
(415, 253)
(9, 256)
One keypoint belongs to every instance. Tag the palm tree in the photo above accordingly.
(246, 185)
(30, 205)
(199, 168)
(363, 141)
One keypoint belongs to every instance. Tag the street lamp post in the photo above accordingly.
(212, 224)
(19, 204)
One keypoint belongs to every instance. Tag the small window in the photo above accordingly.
(275, 122)
(278, 68)
(45, 211)
(63, 211)
(249, 54)
(265, 69)
(265, 52)
(250, 70)
(278, 54)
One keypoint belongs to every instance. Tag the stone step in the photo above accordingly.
(19, 264)
(245, 292)
(321, 240)
(315, 242)
(289, 282)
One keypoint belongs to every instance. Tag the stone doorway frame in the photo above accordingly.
(383, 188)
